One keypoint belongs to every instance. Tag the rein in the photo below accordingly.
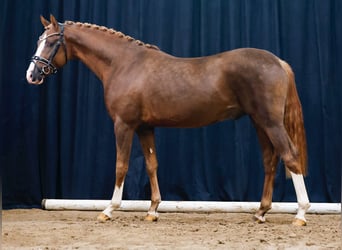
(48, 67)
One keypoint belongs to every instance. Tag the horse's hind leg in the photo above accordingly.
(302, 198)
(271, 160)
(287, 151)
(146, 137)
(124, 137)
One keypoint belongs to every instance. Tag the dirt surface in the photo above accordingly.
(40, 229)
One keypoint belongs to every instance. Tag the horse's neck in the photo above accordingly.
(99, 51)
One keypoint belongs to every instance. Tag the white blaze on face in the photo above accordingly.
(31, 66)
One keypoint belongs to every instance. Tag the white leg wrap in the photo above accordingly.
(115, 202)
(302, 196)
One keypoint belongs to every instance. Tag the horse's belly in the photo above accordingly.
(190, 118)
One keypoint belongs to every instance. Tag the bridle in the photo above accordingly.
(48, 67)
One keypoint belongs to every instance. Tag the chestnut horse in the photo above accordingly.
(145, 88)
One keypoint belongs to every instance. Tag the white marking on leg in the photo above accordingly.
(38, 53)
(260, 218)
(302, 196)
(115, 202)
(117, 196)
(153, 213)
(151, 150)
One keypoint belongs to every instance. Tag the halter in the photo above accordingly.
(48, 67)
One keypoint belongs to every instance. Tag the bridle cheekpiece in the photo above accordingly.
(48, 67)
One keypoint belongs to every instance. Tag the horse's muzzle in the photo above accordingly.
(33, 76)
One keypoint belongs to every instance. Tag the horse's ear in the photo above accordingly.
(53, 21)
(44, 21)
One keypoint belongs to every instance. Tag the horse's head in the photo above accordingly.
(51, 52)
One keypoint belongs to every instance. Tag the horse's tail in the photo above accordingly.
(293, 119)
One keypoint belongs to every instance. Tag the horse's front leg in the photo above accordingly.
(124, 137)
(146, 137)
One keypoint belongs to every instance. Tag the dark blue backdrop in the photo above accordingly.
(57, 140)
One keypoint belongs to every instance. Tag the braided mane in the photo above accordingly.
(113, 32)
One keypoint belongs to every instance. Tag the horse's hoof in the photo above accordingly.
(299, 222)
(151, 217)
(259, 219)
(102, 217)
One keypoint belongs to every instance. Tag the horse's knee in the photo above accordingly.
(151, 168)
